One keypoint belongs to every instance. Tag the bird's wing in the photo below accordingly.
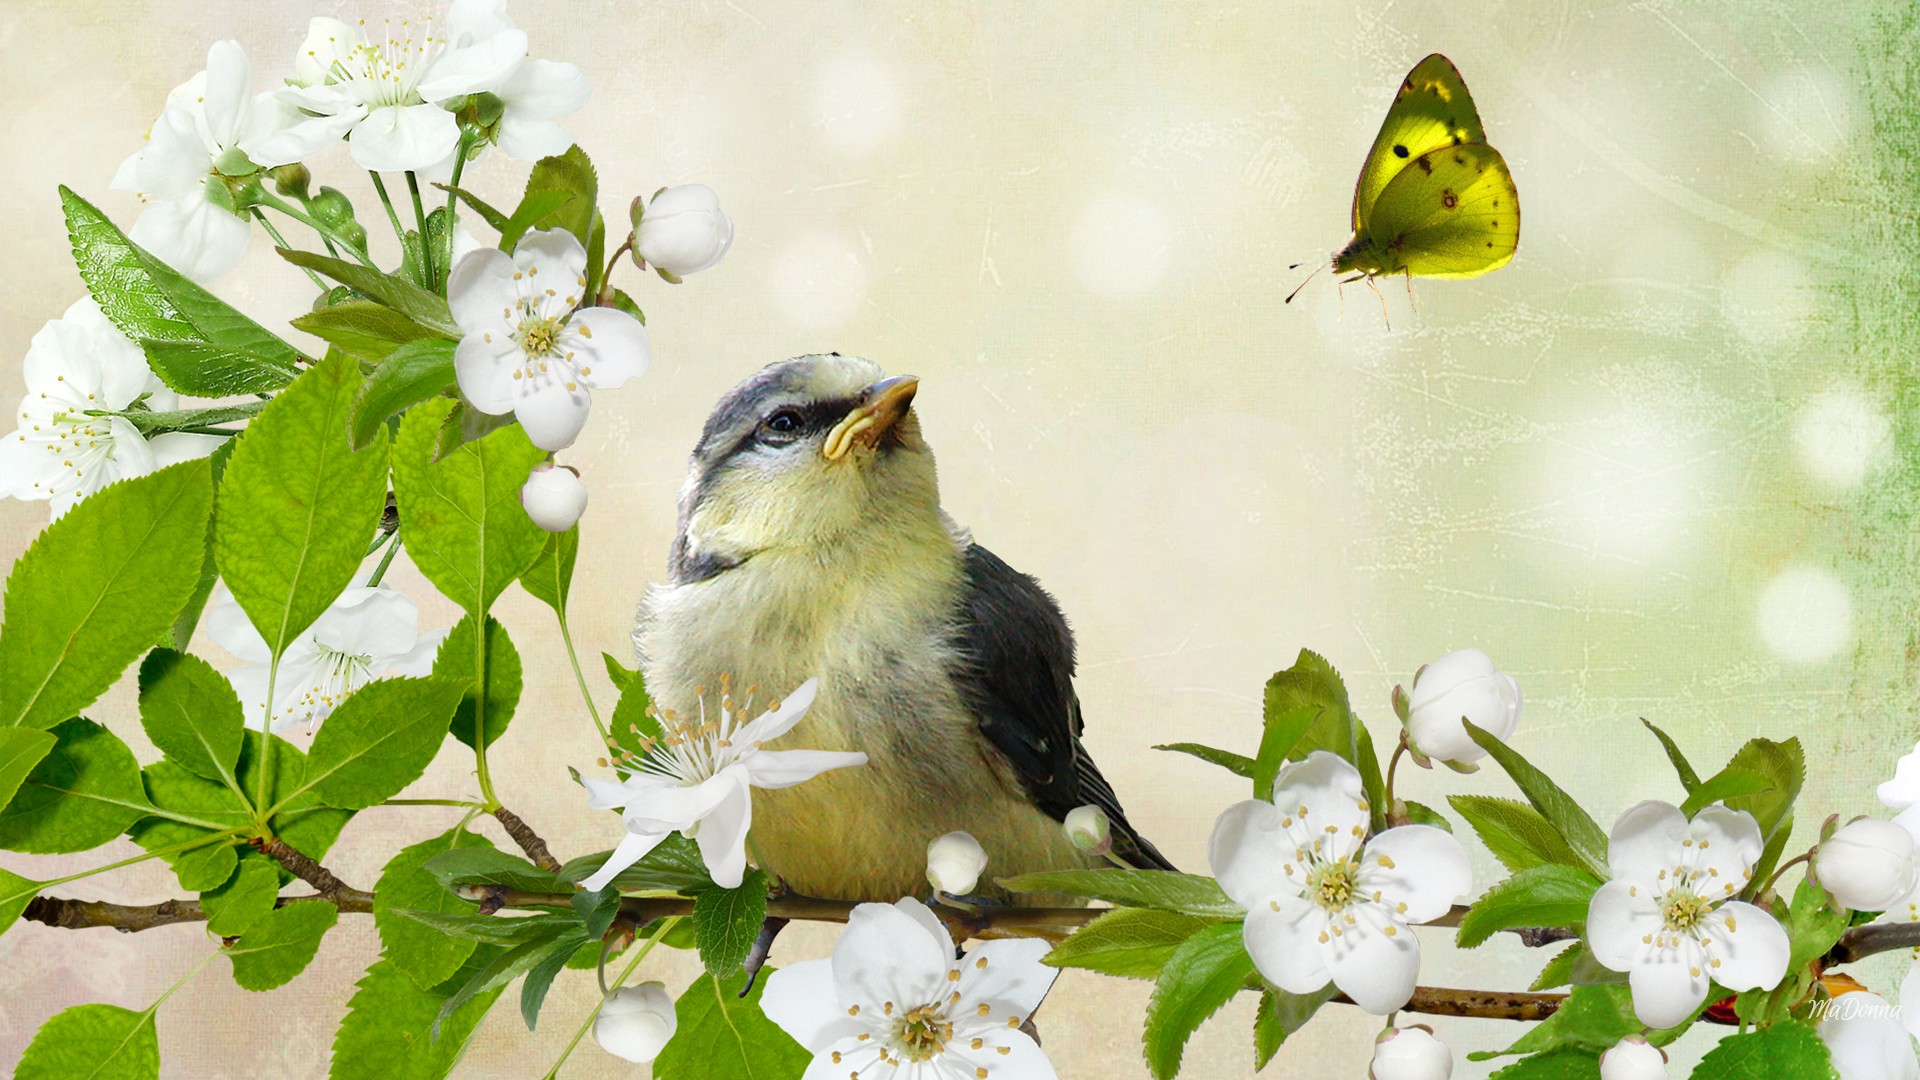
(1017, 655)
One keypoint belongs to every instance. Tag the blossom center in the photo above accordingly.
(922, 1033)
(1683, 911)
(388, 73)
(1331, 884)
(538, 335)
(688, 750)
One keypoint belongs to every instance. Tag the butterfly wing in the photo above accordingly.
(1454, 213)
(1431, 110)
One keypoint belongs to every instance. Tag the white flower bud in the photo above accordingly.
(1410, 1053)
(1089, 830)
(1460, 684)
(1867, 865)
(554, 496)
(682, 231)
(636, 1022)
(1633, 1058)
(954, 862)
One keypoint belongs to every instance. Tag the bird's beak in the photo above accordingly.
(880, 408)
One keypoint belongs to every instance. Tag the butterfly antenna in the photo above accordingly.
(1303, 284)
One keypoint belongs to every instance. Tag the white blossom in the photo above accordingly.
(1089, 830)
(533, 97)
(682, 231)
(79, 363)
(553, 496)
(1411, 1053)
(893, 1002)
(526, 350)
(366, 634)
(697, 779)
(954, 863)
(1325, 902)
(635, 1022)
(1865, 1036)
(1633, 1058)
(1868, 865)
(1668, 917)
(1462, 684)
(1902, 793)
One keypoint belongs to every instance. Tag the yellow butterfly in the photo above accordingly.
(1433, 200)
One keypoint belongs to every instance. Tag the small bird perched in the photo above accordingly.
(812, 544)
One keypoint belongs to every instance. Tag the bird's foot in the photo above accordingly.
(762, 948)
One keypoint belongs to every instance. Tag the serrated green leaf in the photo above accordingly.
(1789, 1049)
(673, 866)
(1422, 814)
(1559, 970)
(551, 575)
(465, 527)
(297, 505)
(207, 867)
(1237, 764)
(632, 724)
(1782, 762)
(570, 174)
(206, 370)
(388, 1029)
(281, 944)
(1515, 832)
(96, 588)
(1591, 1020)
(401, 295)
(1161, 889)
(491, 866)
(1280, 1015)
(1133, 943)
(191, 713)
(1313, 683)
(597, 909)
(535, 206)
(21, 749)
(85, 792)
(1558, 1065)
(16, 893)
(95, 1042)
(561, 936)
(240, 903)
(1688, 778)
(379, 740)
(428, 956)
(1550, 895)
(494, 218)
(617, 673)
(470, 927)
(722, 1033)
(1728, 783)
(533, 991)
(180, 634)
(1282, 732)
(1567, 817)
(412, 373)
(727, 922)
(1202, 974)
(302, 823)
(362, 328)
(455, 662)
(149, 422)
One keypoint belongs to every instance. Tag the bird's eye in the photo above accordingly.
(785, 422)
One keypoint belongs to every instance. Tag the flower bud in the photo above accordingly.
(1460, 684)
(1410, 1053)
(1089, 830)
(1633, 1058)
(635, 1022)
(1867, 864)
(291, 179)
(553, 496)
(682, 231)
(954, 862)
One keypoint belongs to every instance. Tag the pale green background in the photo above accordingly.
(1660, 466)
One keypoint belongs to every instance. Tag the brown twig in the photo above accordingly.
(528, 840)
(306, 869)
(1487, 1004)
(1871, 939)
(131, 918)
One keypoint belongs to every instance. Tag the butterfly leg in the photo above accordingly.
(1378, 295)
(1407, 272)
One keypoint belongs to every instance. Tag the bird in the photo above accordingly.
(811, 544)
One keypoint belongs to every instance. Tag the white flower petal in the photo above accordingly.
(1375, 968)
(781, 717)
(417, 662)
(484, 371)
(1282, 934)
(1668, 984)
(1619, 916)
(1910, 1000)
(785, 768)
(229, 87)
(175, 447)
(1726, 845)
(723, 835)
(1903, 790)
(1006, 1052)
(655, 804)
(526, 139)
(632, 848)
(1749, 945)
(1865, 1041)
(378, 622)
(1006, 975)
(483, 65)
(555, 253)
(1325, 794)
(192, 235)
(1418, 865)
(544, 90)
(1246, 852)
(329, 43)
(249, 683)
(551, 414)
(928, 921)
(176, 161)
(398, 138)
(610, 342)
(802, 1000)
(278, 133)
(1645, 839)
(886, 956)
(468, 21)
(230, 629)
(27, 470)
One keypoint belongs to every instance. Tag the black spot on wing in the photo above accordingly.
(1015, 671)
(1399, 151)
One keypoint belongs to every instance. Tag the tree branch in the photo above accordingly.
(307, 870)
(528, 840)
(1864, 941)
(132, 918)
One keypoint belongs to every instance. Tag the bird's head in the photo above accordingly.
(808, 452)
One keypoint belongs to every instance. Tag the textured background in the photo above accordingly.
(1660, 466)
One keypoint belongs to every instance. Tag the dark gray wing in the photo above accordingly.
(1016, 652)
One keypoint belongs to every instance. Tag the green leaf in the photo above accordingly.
(1551, 895)
(674, 865)
(1790, 1049)
(191, 713)
(536, 206)
(551, 575)
(1813, 925)
(1558, 1065)
(1567, 817)
(16, 893)
(516, 961)
(280, 945)
(597, 909)
(1202, 974)
(181, 632)
(1280, 1015)
(388, 1029)
(380, 740)
(206, 370)
(1591, 1020)
(488, 929)
(571, 175)
(632, 723)
(1312, 683)
(1782, 762)
(1237, 764)
(727, 922)
(617, 673)
(1281, 733)
(401, 295)
(1133, 943)
(1515, 832)
(428, 956)
(95, 1042)
(1688, 778)
(533, 991)
(1422, 814)
(413, 373)
(85, 792)
(20, 750)
(1726, 784)
(302, 823)
(494, 218)
(465, 527)
(242, 902)
(96, 588)
(1162, 889)
(491, 866)
(206, 867)
(148, 422)
(721, 1033)
(1559, 970)
(362, 328)
(298, 503)
(455, 663)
